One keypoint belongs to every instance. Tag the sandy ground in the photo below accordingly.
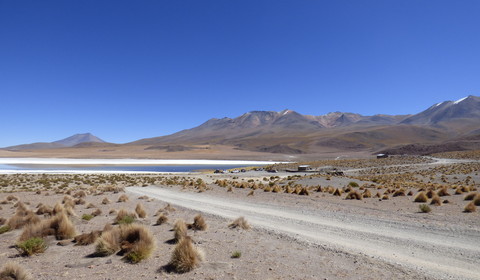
(319, 236)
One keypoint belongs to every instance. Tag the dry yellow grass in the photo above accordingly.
(240, 222)
(421, 197)
(476, 200)
(470, 207)
(123, 198)
(96, 212)
(140, 210)
(122, 214)
(64, 228)
(180, 230)
(470, 196)
(13, 271)
(185, 256)
(436, 200)
(443, 192)
(108, 243)
(87, 238)
(198, 223)
(161, 219)
(366, 193)
(135, 242)
(354, 195)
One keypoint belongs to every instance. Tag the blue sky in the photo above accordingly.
(126, 70)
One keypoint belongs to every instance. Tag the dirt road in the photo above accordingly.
(446, 252)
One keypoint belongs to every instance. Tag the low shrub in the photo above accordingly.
(87, 217)
(424, 208)
(34, 245)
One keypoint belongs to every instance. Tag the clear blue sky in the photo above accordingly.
(126, 70)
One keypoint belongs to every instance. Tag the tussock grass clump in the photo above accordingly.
(11, 197)
(443, 192)
(476, 200)
(354, 195)
(470, 208)
(424, 208)
(140, 210)
(68, 201)
(13, 271)
(22, 218)
(44, 210)
(90, 205)
(138, 243)
(470, 196)
(32, 246)
(421, 197)
(251, 193)
(108, 243)
(337, 192)
(59, 225)
(161, 219)
(96, 212)
(240, 222)
(353, 184)
(105, 201)
(87, 238)
(276, 189)
(185, 256)
(436, 200)
(303, 191)
(63, 227)
(400, 192)
(123, 198)
(236, 255)
(135, 242)
(112, 212)
(179, 230)
(366, 193)
(80, 194)
(430, 193)
(169, 208)
(198, 223)
(125, 217)
(80, 201)
(58, 208)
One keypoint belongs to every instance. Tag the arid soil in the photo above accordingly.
(292, 236)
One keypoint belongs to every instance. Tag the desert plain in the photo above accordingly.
(403, 217)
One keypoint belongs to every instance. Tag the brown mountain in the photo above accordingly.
(292, 133)
(448, 124)
(77, 139)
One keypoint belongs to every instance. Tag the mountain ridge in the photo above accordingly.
(290, 132)
(71, 141)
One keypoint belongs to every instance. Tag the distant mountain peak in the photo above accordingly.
(71, 141)
(78, 139)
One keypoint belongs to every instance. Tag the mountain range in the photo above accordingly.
(444, 126)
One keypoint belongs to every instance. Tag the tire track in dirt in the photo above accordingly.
(442, 253)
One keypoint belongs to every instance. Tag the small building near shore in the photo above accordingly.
(304, 168)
